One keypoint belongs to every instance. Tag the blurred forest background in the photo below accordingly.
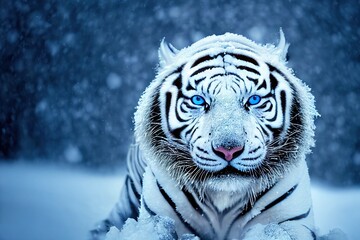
(72, 71)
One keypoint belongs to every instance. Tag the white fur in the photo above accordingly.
(222, 191)
(223, 198)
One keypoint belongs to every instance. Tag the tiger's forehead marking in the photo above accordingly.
(231, 70)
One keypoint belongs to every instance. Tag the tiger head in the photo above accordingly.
(225, 108)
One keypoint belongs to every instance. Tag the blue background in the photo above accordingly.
(73, 71)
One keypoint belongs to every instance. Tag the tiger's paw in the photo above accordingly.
(189, 237)
(152, 228)
(100, 230)
(334, 234)
(271, 231)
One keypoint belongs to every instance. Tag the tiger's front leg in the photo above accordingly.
(283, 231)
(129, 200)
(266, 232)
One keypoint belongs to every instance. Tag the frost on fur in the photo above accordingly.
(152, 228)
(163, 228)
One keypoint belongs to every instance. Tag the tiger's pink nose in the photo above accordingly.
(228, 153)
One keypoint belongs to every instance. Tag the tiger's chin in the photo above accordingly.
(234, 176)
(229, 181)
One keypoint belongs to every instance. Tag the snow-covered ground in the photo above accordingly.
(40, 202)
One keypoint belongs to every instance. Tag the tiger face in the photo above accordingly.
(225, 106)
(226, 110)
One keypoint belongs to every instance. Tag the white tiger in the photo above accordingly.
(221, 138)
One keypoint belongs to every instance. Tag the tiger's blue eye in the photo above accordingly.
(198, 100)
(254, 99)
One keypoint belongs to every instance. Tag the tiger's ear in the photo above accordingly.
(166, 53)
(282, 47)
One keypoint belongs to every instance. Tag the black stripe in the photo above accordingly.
(193, 132)
(177, 132)
(279, 199)
(203, 69)
(283, 103)
(189, 87)
(249, 159)
(232, 87)
(189, 131)
(178, 70)
(276, 111)
(264, 105)
(151, 212)
(254, 150)
(134, 206)
(182, 108)
(205, 158)
(206, 164)
(247, 208)
(193, 202)
(178, 82)
(216, 75)
(197, 208)
(199, 137)
(202, 59)
(216, 87)
(311, 231)
(173, 206)
(263, 130)
(237, 82)
(263, 193)
(275, 131)
(133, 188)
(198, 81)
(209, 86)
(273, 82)
(270, 108)
(248, 69)
(167, 104)
(274, 69)
(177, 114)
(254, 80)
(262, 85)
(233, 74)
(202, 150)
(190, 106)
(301, 216)
(245, 58)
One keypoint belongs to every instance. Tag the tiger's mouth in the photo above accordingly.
(228, 170)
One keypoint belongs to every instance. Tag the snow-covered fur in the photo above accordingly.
(221, 138)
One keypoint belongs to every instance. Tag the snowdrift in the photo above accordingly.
(39, 202)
